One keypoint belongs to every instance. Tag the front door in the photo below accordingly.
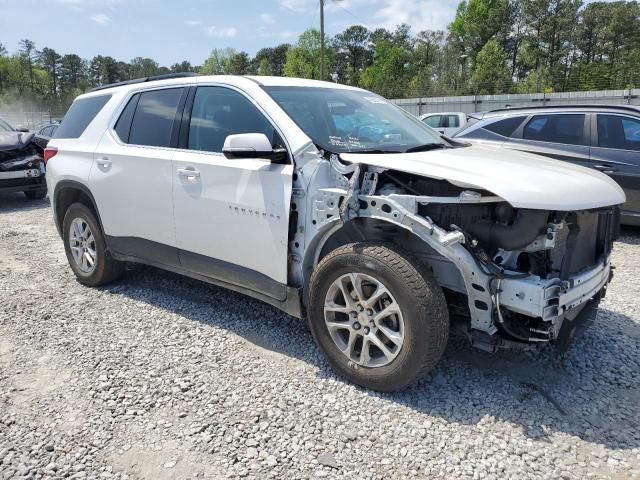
(231, 215)
(616, 152)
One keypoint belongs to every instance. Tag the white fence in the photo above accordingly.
(482, 103)
(30, 120)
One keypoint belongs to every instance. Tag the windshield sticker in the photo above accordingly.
(376, 100)
(349, 142)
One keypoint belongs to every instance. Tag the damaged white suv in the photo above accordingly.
(334, 205)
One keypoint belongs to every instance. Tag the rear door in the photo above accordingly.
(132, 174)
(561, 136)
(615, 150)
(231, 215)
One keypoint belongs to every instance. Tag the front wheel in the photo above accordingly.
(381, 321)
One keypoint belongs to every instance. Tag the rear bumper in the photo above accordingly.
(22, 183)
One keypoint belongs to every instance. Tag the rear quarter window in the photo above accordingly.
(505, 127)
(80, 115)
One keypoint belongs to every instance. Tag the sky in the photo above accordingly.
(170, 31)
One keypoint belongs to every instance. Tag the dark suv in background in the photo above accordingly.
(606, 138)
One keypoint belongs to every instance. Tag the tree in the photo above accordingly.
(237, 63)
(303, 59)
(388, 75)
(50, 61)
(491, 74)
(27, 51)
(478, 21)
(353, 53)
(265, 67)
(3, 50)
(143, 67)
(182, 67)
(215, 64)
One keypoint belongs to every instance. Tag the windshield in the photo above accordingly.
(5, 127)
(341, 120)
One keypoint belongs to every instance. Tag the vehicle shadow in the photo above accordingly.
(630, 235)
(593, 392)
(17, 202)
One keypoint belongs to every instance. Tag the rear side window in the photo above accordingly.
(563, 128)
(154, 118)
(80, 115)
(619, 132)
(453, 121)
(506, 126)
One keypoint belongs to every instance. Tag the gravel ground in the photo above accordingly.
(159, 377)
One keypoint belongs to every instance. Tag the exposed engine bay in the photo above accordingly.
(511, 276)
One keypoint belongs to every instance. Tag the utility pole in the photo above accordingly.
(321, 39)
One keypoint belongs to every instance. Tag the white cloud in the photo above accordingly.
(299, 5)
(227, 32)
(100, 19)
(192, 23)
(267, 18)
(287, 34)
(421, 14)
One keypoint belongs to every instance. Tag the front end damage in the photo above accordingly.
(512, 276)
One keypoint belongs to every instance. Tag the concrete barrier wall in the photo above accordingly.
(483, 103)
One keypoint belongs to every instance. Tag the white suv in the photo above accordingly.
(334, 205)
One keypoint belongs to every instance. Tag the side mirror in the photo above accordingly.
(252, 145)
(22, 130)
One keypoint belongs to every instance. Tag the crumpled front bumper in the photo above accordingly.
(551, 299)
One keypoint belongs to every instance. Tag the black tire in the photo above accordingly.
(36, 194)
(421, 301)
(107, 269)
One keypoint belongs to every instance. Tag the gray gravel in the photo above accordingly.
(159, 377)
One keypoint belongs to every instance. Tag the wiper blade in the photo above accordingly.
(425, 147)
(374, 150)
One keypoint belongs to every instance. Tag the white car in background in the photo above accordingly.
(447, 123)
(334, 205)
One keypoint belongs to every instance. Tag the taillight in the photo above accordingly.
(49, 153)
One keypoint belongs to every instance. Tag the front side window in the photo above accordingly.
(615, 131)
(343, 120)
(433, 122)
(556, 128)
(219, 112)
(80, 115)
(154, 118)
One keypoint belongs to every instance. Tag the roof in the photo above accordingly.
(554, 108)
(191, 78)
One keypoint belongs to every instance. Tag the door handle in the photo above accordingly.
(104, 162)
(190, 173)
(605, 168)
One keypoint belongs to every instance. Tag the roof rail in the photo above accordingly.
(632, 108)
(166, 76)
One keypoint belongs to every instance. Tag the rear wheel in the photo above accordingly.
(36, 194)
(86, 249)
(381, 321)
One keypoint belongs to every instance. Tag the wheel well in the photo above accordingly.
(67, 196)
(364, 230)
(367, 229)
